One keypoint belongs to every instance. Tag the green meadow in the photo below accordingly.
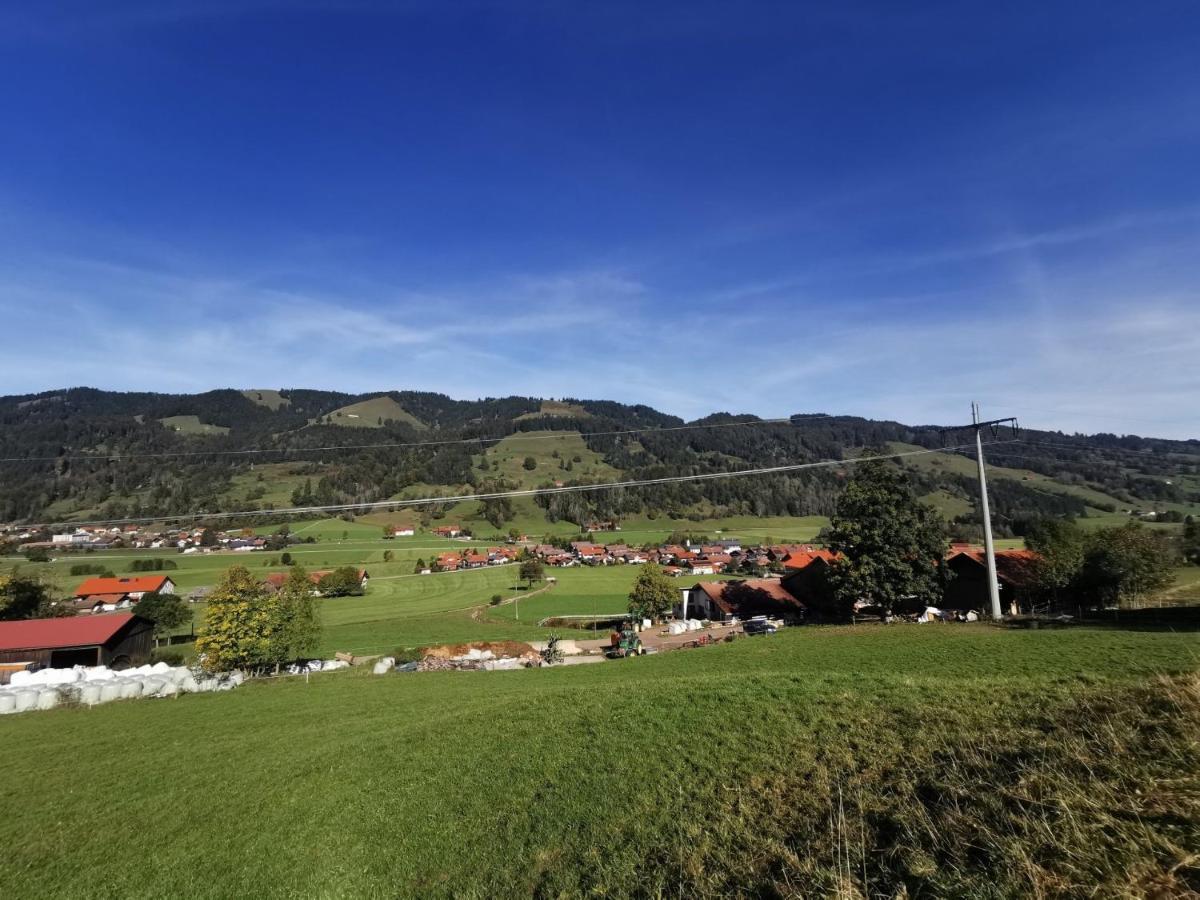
(866, 761)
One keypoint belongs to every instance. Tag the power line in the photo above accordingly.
(793, 420)
(497, 495)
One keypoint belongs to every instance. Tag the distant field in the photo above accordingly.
(942, 761)
(267, 398)
(372, 414)
(192, 425)
(557, 408)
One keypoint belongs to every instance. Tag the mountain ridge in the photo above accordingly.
(81, 452)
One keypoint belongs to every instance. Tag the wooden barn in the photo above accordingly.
(968, 589)
(117, 640)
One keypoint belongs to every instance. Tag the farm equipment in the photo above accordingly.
(625, 644)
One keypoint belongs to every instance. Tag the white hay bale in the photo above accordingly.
(89, 694)
(109, 691)
(26, 699)
(169, 689)
(332, 665)
(189, 685)
(385, 665)
(153, 685)
(236, 678)
(22, 678)
(48, 698)
(98, 673)
(8, 703)
(131, 688)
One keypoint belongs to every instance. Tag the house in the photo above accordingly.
(118, 641)
(100, 603)
(720, 600)
(1016, 572)
(110, 594)
(448, 562)
(447, 531)
(473, 560)
(587, 552)
(403, 531)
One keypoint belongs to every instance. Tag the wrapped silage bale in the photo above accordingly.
(26, 699)
(109, 691)
(160, 668)
(64, 676)
(236, 678)
(169, 689)
(89, 694)
(385, 665)
(188, 683)
(98, 673)
(152, 685)
(21, 679)
(8, 703)
(48, 698)
(178, 674)
(131, 688)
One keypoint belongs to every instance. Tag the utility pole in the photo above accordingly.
(989, 547)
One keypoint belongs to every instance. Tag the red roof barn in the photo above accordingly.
(116, 640)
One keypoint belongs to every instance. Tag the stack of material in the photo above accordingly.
(317, 665)
(94, 685)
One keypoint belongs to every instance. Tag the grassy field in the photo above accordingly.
(271, 399)
(373, 413)
(192, 425)
(873, 761)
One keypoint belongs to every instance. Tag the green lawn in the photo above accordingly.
(940, 761)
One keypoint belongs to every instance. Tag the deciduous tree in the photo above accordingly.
(892, 546)
(653, 594)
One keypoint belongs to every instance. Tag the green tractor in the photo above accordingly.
(625, 643)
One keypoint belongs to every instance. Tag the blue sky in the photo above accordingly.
(882, 209)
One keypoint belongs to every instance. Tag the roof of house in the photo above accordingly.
(124, 585)
(725, 594)
(92, 599)
(1012, 566)
(81, 631)
(802, 559)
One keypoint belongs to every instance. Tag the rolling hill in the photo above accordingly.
(79, 454)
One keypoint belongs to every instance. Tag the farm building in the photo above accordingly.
(116, 640)
(720, 600)
(97, 595)
(969, 587)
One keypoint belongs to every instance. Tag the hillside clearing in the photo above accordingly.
(372, 413)
(192, 425)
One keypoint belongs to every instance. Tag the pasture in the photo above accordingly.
(877, 761)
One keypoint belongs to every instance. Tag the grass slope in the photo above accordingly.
(192, 425)
(368, 413)
(910, 761)
(270, 399)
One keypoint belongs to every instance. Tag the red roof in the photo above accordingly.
(802, 559)
(126, 585)
(1012, 566)
(80, 631)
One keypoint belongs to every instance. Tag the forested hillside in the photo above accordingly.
(82, 454)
